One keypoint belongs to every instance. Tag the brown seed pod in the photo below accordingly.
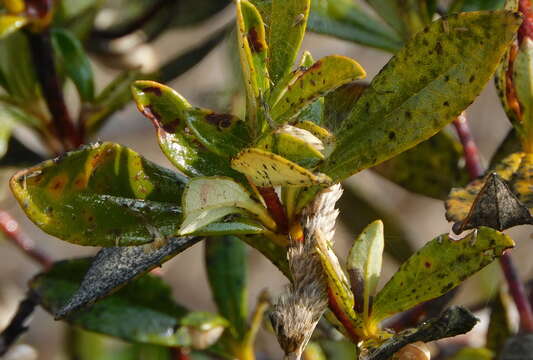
(415, 351)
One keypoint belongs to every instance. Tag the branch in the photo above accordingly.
(11, 229)
(18, 324)
(42, 54)
(472, 159)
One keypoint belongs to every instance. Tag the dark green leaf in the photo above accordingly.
(431, 168)
(101, 195)
(426, 275)
(177, 124)
(143, 311)
(423, 88)
(114, 267)
(499, 327)
(346, 20)
(475, 5)
(75, 61)
(339, 103)
(227, 267)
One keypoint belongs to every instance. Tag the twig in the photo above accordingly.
(11, 229)
(516, 287)
(44, 64)
(18, 324)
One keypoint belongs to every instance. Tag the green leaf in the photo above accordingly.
(389, 11)
(268, 169)
(207, 199)
(114, 267)
(17, 67)
(294, 144)
(16, 115)
(473, 354)
(253, 51)
(499, 326)
(426, 275)
(423, 88)
(509, 145)
(288, 21)
(143, 311)
(322, 77)
(172, 117)
(235, 225)
(364, 266)
(114, 96)
(339, 103)
(227, 267)
(11, 23)
(75, 61)
(101, 195)
(277, 254)
(346, 20)
(431, 168)
(523, 85)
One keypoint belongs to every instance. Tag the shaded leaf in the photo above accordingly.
(475, 5)
(75, 61)
(101, 195)
(389, 11)
(253, 51)
(11, 23)
(170, 113)
(114, 267)
(424, 87)
(426, 275)
(473, 354)
(16, 115)
(339, 103)
(347, 21)
(143, 311)
(18, 155)
(499, 329)
(16, 66)
(268, 169)
(518, 347)
(206, 200)
(364, 266)
(322, 77)
(452, 322)
(496, 207)
(431, 168)
(114, 96)
(522, 181)
(227, 268)
(288, 20)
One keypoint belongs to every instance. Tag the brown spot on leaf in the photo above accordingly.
(222, 121)
(256, 45)
(154, 90)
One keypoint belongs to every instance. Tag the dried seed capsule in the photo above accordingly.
(415, 351)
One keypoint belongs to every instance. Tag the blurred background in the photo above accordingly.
(408, 216)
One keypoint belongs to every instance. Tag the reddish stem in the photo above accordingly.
(516, 286)
(526, 29)
(472, 159)
(343, 319)
(275, 208)
(11, 229)
(180, 353)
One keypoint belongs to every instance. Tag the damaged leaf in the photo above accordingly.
(143, 311)
(114, 267)
(426, 275)
(101, 195)
(424, 87)
(268, 169)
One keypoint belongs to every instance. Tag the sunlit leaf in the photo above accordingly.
(11, 23)
(322, 77)
(114, 267)
(101, 195)
(207, 199)
(171, 113)
(431, 168)
(473, 354)
(364, 266)
(426, 275)
(226, 264)
(253, 51)
(423, 88)
(143, 311)
(268, 169)
(288, 20)
(75, 61)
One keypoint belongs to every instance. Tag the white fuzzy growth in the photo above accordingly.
(296, 313)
